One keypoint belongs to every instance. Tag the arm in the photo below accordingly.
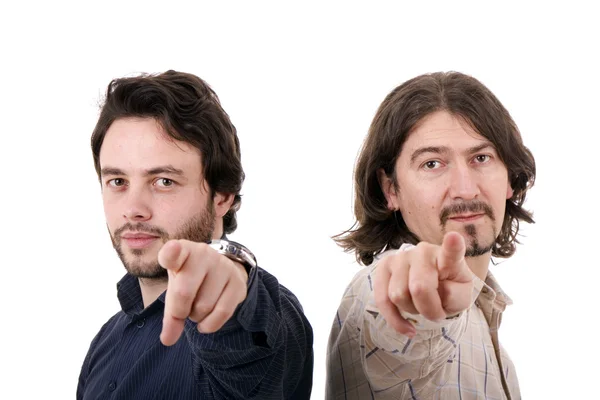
(391, 357)
(263, 352)
(248, 334)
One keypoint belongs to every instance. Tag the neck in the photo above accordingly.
(151, 289)
(479, 265)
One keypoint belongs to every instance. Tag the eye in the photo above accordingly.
(116, 182)
(164, 182)
(482, 158)
(431, 164)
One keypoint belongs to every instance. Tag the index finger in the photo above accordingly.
(171, 330)
(451, 257)
(173, 255)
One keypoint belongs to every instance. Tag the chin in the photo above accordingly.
(144, 264)
(476, 248)
(152, 271)
(477, 251)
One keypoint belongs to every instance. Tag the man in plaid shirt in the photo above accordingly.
(440, 185)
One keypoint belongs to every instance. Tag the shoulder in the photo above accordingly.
(108, 327)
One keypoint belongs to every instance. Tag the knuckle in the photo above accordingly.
(208, 327)
(398, 268)
(418, 287)
(214, 324)
(392, 260)
(202, 308)
(385, 261)
(423, 246)
(399, 258)
(223, 313)
(184, 294)
(204, 248)
(399, 295)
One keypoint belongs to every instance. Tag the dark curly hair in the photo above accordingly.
(188, 110)
(377, 227)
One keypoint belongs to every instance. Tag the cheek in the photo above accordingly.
(501, 208)
(419, 208)
(114, 219)
(110, 208)
(173, 212)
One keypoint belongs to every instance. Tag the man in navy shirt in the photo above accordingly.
(199, 319)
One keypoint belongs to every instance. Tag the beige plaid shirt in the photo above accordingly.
(459, 358)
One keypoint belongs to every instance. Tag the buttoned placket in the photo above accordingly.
(492, 310)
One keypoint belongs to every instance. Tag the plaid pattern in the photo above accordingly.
(459, 358)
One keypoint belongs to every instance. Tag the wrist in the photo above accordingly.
(236, 252)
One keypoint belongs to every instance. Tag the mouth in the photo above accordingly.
(466, 217)
(138, 240)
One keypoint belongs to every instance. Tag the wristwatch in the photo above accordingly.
(235, 251)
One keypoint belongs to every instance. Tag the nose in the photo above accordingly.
(464, 183)
(137, 205)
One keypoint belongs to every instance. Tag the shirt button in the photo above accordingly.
(140, 323)
(112, 386)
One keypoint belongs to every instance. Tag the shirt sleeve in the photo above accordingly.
(400, 358)
(263, 352)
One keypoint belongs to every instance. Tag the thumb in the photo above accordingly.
(451, 258)
(172, 255)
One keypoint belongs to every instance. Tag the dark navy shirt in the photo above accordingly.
(263, 352)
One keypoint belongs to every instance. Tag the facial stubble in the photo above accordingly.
(198, 228)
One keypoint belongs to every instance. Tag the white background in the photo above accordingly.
(301, 83)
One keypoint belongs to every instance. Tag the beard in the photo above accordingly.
(476, 245)
(198, 228)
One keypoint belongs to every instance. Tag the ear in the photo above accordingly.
(389, 189)
(222, 203)
(509, 191)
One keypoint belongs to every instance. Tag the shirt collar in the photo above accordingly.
(492, 292)
(129, 294)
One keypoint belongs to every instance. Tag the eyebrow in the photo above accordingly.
(163, 169)
(444, 149)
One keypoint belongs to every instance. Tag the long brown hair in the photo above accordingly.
(188, 110)
(377, 227)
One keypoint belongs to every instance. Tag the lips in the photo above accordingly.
(137, 236)
(466, 217)
(138, 240)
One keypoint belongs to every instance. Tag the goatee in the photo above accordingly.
(474, 247)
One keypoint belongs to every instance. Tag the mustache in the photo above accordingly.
(474, 206)
(141, 227)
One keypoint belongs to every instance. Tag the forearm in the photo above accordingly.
(260, 352)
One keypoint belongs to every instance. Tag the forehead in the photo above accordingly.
(137, 143)
(443, 129)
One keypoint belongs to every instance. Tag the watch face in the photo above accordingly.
(235, 251)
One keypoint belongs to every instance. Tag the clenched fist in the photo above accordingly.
(434, 281)
(204, 286)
